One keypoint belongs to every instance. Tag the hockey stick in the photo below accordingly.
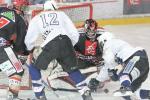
(58, 89)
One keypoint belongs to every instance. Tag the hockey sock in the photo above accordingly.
(36, 81)
(125, 80)
(34, 72)
(144, 94)
(76, 76)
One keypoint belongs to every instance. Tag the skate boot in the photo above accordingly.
(123, 91)
(87, 95)
(41, 97)
(95, 84)
(12, 96)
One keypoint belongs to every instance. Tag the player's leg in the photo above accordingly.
(134, 74)
(13, 69)
(69, 63)
(41, 62)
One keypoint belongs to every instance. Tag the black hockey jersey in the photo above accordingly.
(13, 29)
(87, 47)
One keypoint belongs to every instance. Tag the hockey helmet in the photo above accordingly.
(50, 5)
(20, 2)
(106, 36)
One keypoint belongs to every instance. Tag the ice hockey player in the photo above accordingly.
(132, 64)
(87, 49)
(59, 36)
(12, 33)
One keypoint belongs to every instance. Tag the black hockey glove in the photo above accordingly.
(113, 74)
(95, 84)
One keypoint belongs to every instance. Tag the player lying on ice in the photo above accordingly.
(131, 70)
(59, 36)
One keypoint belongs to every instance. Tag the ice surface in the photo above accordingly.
(137, 35)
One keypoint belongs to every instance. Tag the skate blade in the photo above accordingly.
(127, 93)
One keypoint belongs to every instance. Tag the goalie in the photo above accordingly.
(87, 49)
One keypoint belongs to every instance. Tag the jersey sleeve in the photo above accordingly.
(21, 29)
(72, 32)
(32, 34)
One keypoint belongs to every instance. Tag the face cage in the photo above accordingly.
(91, 35)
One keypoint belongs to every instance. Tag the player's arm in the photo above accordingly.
(32, 34)
(71, 29)
(21, 29)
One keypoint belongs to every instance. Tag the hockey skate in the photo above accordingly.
(12, 96)
(43, 97)
(87, 95)
(123, 91)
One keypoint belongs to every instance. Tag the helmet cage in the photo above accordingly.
(90, 27)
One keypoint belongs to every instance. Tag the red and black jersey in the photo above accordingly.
(13, 28)
(87, 47)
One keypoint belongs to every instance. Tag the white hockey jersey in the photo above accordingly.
(50, 24)
(115, 48)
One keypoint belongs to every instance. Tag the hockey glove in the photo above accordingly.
(95, 84)
(113, 74)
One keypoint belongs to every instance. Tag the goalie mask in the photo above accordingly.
(90, 27)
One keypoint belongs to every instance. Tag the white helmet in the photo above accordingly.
(50, 5)
(105, 37)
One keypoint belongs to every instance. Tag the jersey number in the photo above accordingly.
(3, 22)
(50, 19)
